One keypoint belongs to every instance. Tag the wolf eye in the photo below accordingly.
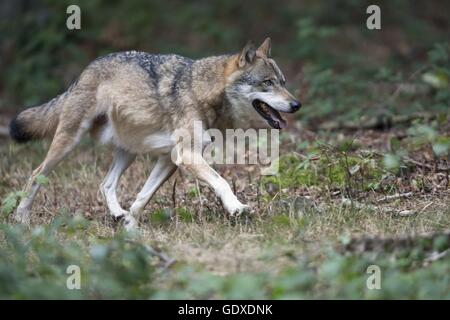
(268, 82)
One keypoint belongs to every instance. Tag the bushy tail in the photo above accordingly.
(37, 122)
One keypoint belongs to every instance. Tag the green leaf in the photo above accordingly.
(394, 144)
(42, 180)
(391, 161)
(9, 203)
(442, 146)
(440, 149)
(438, 80)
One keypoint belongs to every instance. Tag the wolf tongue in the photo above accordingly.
(282, 123)
(277, 118)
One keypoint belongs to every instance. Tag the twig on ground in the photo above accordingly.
(396, 196)
(426, 165)
(426, 206)
(199, 197)
(361, 206)
(406, 213)
(167, 261)
(380, 122)
(436, 256)
(174, 198)
(389, 244)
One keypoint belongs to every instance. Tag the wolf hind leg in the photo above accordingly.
(121, 161)
(66, 138)
(163, 170)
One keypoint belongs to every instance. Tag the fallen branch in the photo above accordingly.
(379, 209)
(377, 122)
(435, 256)
(174, 198)
(167, 261)
(396, 196)
(391, 244)
(426, 165)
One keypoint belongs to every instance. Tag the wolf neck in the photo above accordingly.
(209, 82)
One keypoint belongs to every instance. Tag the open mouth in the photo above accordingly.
(271, 115)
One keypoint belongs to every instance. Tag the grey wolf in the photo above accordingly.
(135, 100)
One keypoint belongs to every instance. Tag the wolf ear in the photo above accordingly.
(247, 54)
(265, 48)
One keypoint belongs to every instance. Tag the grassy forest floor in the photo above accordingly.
(334, 209)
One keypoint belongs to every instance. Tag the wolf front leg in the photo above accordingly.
(197, 165)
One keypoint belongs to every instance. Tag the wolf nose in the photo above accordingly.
(295, 106)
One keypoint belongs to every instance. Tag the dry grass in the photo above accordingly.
(284, 226)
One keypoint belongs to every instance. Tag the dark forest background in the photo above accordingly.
(337, 66)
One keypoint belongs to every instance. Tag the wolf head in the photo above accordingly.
(256, 88)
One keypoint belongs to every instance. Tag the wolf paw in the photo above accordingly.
(130, 224)
(237, 208)
(136, 211)
(118, 215)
